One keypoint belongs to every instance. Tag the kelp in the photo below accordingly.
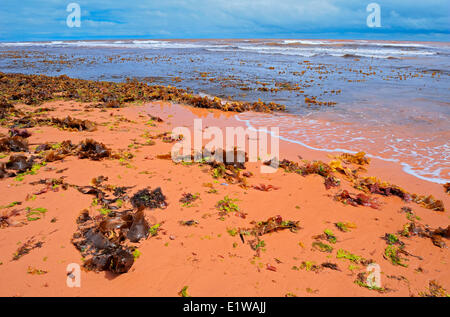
(434, 290)
(6, 218)
(428, 202)
(99, 252)
(13, 144)
(308, 168)
(375, 186)
(92, 150)
(23, 133)
(356, 200)
(416, 229)
(265, 188)
(358, 158)
(188, 199)
(36, 89)
(447, 188)
(25, 248)
(72, 124)
(20, 163)
(146, 198)
(273, 224)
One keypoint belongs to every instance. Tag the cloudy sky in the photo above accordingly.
(28, 20)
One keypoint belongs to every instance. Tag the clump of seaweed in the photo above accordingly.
(415, 229)
(358, 158)
(265, 188)
(308, 168)
(355, 200)
(429, 202)
(93, 150)
(23, 133)
(13, 144)
(20, 163)
(375, 186)
(36, 89)
(447, 188)
(434, 290)
(273, 224)
(72, 124)
(343, 254)
(345, 226)
(101, 239)
(393, 252)
(146, 198)
(227, 205)
(188, 199)
(26, 248)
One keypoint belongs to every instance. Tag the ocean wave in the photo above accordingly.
(427, 164)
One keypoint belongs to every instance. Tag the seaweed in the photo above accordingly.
(26, 248)
(358, 158)
(227, 205)
(436, 236)
(429, 202)
(73, 124)
(183, 292)
(36, 89)
(343, 254)
(308, 168)
(393, 252)
(355, 200)
(375, 186)
(188, 223)
(265, 188)
(92, 149)
(146, 198)
(13, 144)
(274, 224)
(20, 163)
(435, 290)
(345, 226)
(188, 199)
(6, 218)
(23, 133)
(331, 266)
(101, 239)
(323, 247)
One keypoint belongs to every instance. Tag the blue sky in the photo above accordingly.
(28, 20)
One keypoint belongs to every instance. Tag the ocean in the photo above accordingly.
(389, 99)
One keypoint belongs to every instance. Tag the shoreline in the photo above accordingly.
(208, 256)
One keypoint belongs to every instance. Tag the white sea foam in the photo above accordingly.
(422, 165)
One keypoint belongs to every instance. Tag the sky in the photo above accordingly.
(28, 20)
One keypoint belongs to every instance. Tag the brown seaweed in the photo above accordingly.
(149, 199)
(13, 144)
(20, 163)
(23, 133)
(101, 240)
(70, 123)
(92, 150)
(26, 248)
(355, 200)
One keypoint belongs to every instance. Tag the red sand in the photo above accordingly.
(204, 257)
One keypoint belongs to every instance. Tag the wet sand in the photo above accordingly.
(205, 257)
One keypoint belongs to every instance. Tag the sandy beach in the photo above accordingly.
(218, 241)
